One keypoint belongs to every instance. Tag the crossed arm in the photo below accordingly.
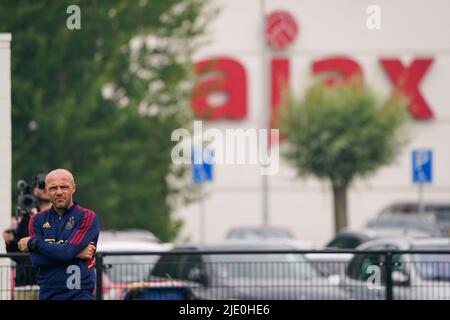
(79, 245)
(41, 260)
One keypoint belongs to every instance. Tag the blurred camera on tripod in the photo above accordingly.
(26, 200)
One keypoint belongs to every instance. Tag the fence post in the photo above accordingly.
(388, 260)
(99, 269)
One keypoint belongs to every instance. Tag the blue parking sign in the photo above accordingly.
(422, 165)
(202, 171)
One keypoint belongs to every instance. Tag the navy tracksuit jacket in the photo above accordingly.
(55, 243)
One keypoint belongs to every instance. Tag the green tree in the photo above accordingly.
(103, 100)
(339, 132)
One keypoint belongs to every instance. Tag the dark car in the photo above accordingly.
(272, 271)
(350, 239)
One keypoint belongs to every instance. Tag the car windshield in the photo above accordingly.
(345, 242)
(433, 266)
(132, 268)
(262, 266)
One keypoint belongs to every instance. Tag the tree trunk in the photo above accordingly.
(340, 207)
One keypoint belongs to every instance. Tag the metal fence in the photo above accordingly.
(268, 275)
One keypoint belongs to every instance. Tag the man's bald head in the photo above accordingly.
(59, 174)
(60, 187)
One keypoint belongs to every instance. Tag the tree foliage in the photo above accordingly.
(102, 101)
(339, 132)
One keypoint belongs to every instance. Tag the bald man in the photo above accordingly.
(62, 243)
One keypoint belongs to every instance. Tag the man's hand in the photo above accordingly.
(87, 252)
(8, 236)
(23, 244)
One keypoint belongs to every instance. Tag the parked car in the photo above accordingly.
(434, 218)
(123, 271)
(440, 210)
(414, 276)
(423, 222)
(235, 274)
(252, 233)
(333, 264)
(129, 234)
(352, 238)
(329, 264)
(267, 234)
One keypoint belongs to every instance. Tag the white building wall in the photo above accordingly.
(5, 153)
(409, 29)
(5, 133)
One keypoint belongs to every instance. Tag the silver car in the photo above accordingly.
(421, 273)
(330, 263)
(435, 217)
(247, 271)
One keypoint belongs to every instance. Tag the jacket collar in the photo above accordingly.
(66, 210)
